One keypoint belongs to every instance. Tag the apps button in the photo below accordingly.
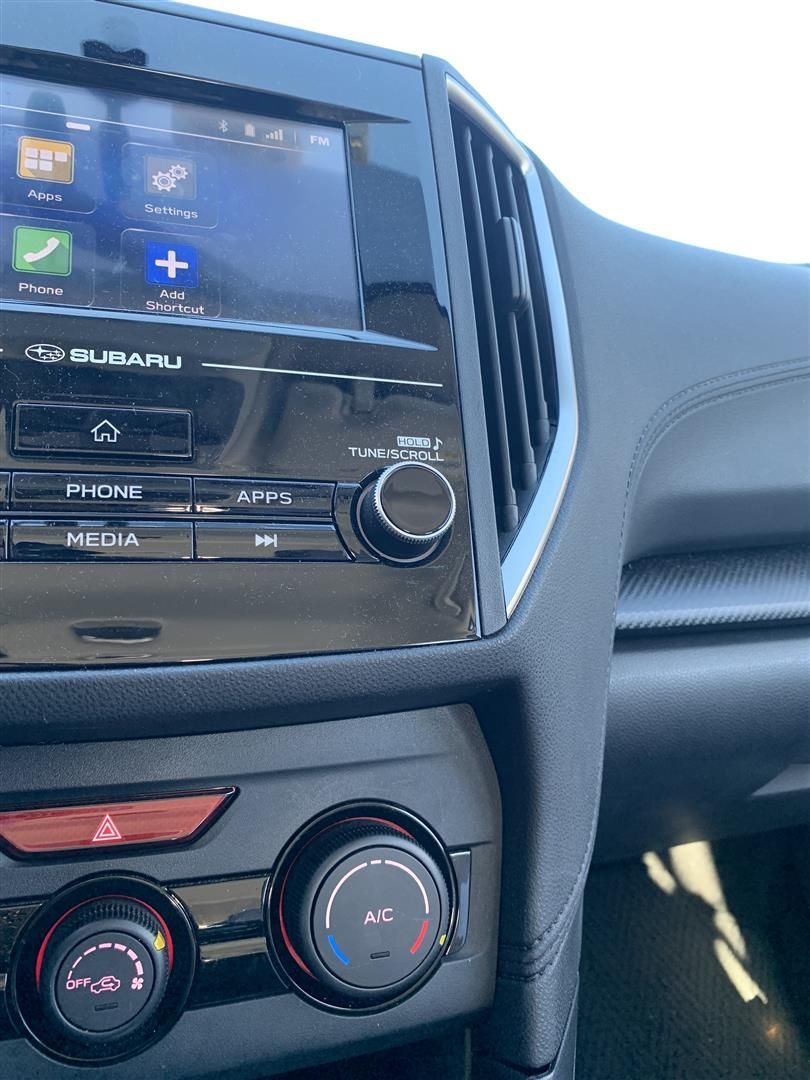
(45, 159)
(42, 251)
(171, 264)
(49, 173)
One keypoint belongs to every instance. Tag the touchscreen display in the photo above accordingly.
(114, 201)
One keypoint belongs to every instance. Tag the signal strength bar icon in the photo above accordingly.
(277, 135)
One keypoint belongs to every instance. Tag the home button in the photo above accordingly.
(93, 429)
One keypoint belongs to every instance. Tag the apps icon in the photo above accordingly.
(45, 159)
(171, 264)
(42, 251)
(174, 176)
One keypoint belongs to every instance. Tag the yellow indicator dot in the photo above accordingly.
(160, 942)
(442, 939)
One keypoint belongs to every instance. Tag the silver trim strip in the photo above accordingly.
(531, 538)
(321, 375)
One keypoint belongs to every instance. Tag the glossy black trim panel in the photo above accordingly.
(312, 405)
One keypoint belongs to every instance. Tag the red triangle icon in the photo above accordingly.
(107, 830)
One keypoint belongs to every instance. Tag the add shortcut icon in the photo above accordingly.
(45, 159)
(42, 251)
(171, 264)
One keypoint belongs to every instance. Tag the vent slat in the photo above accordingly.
(524, 468)
(536, 398)
(505, 495)
(517, 363)
(541, 328)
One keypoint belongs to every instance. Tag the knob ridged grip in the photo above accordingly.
(105, 969)
(407, 512)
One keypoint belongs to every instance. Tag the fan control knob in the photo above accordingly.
(103, 970)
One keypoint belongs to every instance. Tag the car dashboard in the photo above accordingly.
(362, 496)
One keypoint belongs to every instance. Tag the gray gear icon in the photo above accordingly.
(179, 172)
(164, 181)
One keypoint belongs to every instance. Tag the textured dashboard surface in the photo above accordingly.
(763, 585)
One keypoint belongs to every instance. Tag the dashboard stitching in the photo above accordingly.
(690, 408)
(662, 414)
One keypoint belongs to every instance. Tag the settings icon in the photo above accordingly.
(164, 181)
(169, 175)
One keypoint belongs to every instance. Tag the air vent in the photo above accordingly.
(514, 341)
(523, 343)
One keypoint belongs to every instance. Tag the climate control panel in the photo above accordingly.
(360, 912)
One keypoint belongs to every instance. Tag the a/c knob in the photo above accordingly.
(364, 912)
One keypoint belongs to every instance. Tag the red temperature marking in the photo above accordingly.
(420, 939)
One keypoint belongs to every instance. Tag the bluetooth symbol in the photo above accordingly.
(223, 126)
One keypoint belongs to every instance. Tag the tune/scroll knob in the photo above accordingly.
(407, 512)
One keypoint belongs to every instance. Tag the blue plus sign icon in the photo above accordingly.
(171, 264)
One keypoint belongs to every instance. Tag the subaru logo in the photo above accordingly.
(45, 354)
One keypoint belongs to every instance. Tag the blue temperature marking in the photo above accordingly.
(341, 957)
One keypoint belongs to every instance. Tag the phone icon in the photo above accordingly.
(42, 251)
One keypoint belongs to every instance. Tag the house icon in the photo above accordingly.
(105, 432)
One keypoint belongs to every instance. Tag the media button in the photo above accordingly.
(288, 543)
(90, 429)
(90, 541)
(267, 498)
(75, 492)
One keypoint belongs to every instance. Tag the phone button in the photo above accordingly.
(47, 262)
(74, 493)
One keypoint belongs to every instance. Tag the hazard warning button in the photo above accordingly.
(163, 819)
